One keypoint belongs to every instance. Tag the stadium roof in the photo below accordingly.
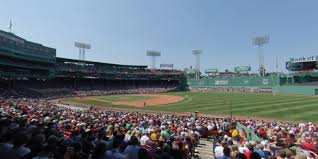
(102, 63)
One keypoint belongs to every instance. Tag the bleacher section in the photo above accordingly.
(32, 66)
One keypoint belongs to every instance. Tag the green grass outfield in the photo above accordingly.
(294, 108)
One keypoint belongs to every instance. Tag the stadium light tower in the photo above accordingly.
(197, 54)
(259, 41)
(153, 55)
(82, 47)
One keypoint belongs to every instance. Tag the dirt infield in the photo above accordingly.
(156, 100)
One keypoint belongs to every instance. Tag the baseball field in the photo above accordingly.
(264, 106)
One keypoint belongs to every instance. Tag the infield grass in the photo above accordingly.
(295, 108)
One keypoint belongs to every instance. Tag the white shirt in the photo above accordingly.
(302, 126)
(127, 137)
(210, 127)
(218, 151)
(144, 139)
(243, 149)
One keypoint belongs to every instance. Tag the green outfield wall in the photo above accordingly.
(254, 84)
(297, 90)
(254, 81)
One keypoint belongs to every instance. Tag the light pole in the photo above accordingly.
(153, 55)
(259, 41)
(82, 47)
(277, 77)
(197, 54)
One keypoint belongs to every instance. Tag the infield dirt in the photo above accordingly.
(156, 100)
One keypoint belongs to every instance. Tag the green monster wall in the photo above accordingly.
(297, 90)
(268, 84)
(257, 81)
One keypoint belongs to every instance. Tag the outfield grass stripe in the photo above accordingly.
(266, 101)
(249, 106)
(288, 109)
(309, 116)
(213, 106)
(221, 101)
(209, 103)
(268, 107)
(302, 113)
(269, 102)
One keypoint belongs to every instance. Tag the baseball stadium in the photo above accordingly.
(33, 70)
(158, 79)
(38, 86)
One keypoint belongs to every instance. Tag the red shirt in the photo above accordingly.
(244, 133)
(262, 132)
(309, 146)
(248, 154)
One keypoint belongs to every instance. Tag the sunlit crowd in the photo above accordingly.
(35, 128)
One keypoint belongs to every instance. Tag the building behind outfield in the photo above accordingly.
(29, 65)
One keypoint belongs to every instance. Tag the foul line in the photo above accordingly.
(101, 100)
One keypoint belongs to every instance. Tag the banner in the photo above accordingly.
(242, 68)
(250, 135)
(221, 82)
(166, 65)
(211, 70)
(304, 59)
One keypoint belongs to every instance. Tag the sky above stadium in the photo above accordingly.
(121, 31)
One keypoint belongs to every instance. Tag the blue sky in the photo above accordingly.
(121, 31)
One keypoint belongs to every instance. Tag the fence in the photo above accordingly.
(257, 81)
(255, 84)
(297, 90)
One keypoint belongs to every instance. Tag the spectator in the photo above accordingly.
(234, 151)
(99, 152)
(133, 148)
(281, 154)
(218, 151)
(226, 153)
(19, 148)
(143, 154)
(255, 155)
(37, 128)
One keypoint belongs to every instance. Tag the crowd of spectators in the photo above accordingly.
(144, 90)
(89, 68)
(35, 128)
(278, 140)
(82, 92)
(39, 129)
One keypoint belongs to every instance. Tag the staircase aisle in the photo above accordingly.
(204, 149)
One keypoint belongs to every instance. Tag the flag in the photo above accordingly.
(250, 135)
(277, 63)
(10, 26)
